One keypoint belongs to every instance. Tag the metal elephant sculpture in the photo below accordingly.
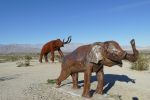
(91, 58)
(51, 47)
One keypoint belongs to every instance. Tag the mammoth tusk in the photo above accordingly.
(68, 41)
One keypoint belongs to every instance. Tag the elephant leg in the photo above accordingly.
(100, 79)
(63, 75)
(41, 56)
(45, 56)
(75, 80)
(52, 56)
(87, 78)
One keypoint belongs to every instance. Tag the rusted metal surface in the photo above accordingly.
(52, 46)
(91, 58)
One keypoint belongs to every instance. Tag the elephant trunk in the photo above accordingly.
(132, 57)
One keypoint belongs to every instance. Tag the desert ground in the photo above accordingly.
(30, 83)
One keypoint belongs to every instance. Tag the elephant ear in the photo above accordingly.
(95, 55)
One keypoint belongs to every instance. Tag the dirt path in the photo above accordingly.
(29, 83)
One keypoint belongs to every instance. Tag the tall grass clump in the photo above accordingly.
(142, 63)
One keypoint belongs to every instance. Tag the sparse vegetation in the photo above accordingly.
(8, 58)
(17, 57)
(20, 63)
(25, 61)
(51, 81)
(116, 96)
(57, 57)
(142, 63)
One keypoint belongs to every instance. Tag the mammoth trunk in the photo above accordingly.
(132, 57)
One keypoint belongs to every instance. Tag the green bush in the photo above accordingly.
(142, 63)
(51, 81)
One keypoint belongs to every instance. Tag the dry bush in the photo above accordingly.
(116, 96)
(20, 63)
(25, 61)
(142, 63)
(8, 58)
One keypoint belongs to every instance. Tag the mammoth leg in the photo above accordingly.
(60, 52)
(61, 55)
(52, 56)
(41, 56)
(100, 79)
(75, 80)
(45, 56)
(87, 78)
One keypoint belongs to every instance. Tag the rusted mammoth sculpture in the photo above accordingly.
(91, 58)
(51, 47)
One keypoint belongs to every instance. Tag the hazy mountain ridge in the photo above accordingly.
(18, 48)
(35, 48)
(32, 48)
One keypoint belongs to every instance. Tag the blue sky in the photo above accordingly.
(39, 21)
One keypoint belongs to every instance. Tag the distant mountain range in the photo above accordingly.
(32, 48)
(35, 48)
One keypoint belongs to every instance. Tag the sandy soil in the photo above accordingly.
(29, 83)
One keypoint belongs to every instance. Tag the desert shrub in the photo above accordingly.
(25, 61)
(116, 96)
(2, 61)
(58, 58)
(20, 63)
(142, 63)
(8, 58)
(12, 58)
(51, 81)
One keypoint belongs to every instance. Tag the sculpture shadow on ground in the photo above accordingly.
(10, 77)
(110, 80)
